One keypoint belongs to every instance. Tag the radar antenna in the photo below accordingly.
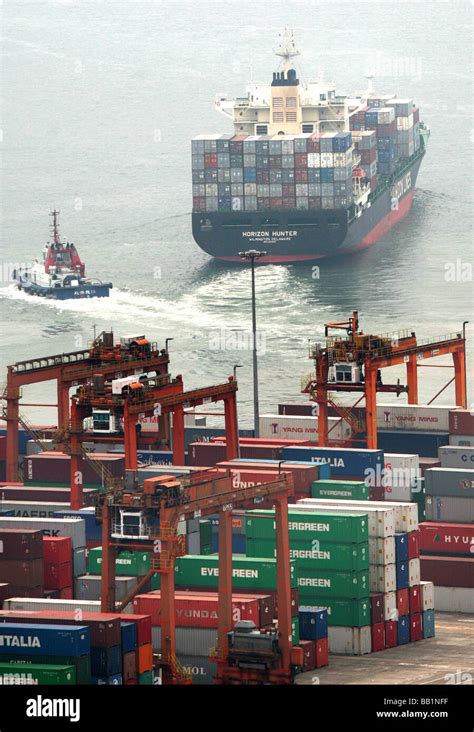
(55, 227)
(287, 47)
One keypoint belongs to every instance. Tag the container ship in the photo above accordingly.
(61, 275)
(307, 173)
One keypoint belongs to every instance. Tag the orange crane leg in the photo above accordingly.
(412, 380)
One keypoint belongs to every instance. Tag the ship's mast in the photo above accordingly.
(55, 227)
(287, 49)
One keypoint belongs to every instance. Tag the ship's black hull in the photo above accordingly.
(290, 235)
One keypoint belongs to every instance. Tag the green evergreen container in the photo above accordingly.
(355, 613)
(145, 679)
(37, 673)
(81, 664)
(131, 564)
(295, 630)
(347, 528)
(328, 583)
(351, 489)
(324, 555)
(249, 573)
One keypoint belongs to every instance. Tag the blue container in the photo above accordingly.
(314, 175)
(402, 575)
(115, 680)
(401, 548)
(238, 543)
(327, 175)
(44, 640)
(106, 661)
(403, 630)
(128, 633)
(424, 444)
(250, 175)
(93, 527)
(346, 462)
(313, 622)
(224, 203)
(428, 623)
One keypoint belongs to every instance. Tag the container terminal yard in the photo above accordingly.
(335, 547)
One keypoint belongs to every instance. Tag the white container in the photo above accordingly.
(380, 520)
(400, 474)
(73, 527)
(405, 514)
(383, 578)
(32, 509)
(314, 160)
(33, 603)
(350, 641)
(301, 427)
(382, 551)
(452, 456)
(390, 606)
(461, 440)
(423, 418)
(414, 572)
(454, 599)
(427, 595)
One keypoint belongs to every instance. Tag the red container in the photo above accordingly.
(131, 682)
(129, 666)
(3, 447)
(391, 633)
(288, 190)
(416, 628)
(57, 549)
(312, 143)
(5, 592)
(440, 538)
(143, 625)
(263, 204)
(38, 494)
(378, 636)
(428, 462)
(376, 493)
(21, 544)
(199, 203)
(289, 202)
(461, 422)
(303, 475)
(413, 544)
(275, 162)
(308, 655)
(368, 156)
(58, 576)
(301, 175)
(415, 599)
(22, 591)
(263, 177)
(65, 593)
(377, 607)
(194, 610)
(244, 478)
(276, 202)
(416, 115)
(301, 160)
(447, 571)
(104, 627)
(54, 467)
(21, 573)
(403, 602)
(321, 652)
(210, 160)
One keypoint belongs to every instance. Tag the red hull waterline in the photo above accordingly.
(379, 230)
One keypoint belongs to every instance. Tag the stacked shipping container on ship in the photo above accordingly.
(21, 562)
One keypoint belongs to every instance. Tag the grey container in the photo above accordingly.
(275, 147)
(302, 189)
(302, 202)
(263, 190)
(287, 147)
(189, 641)
(449, 509)
(88, 587)
(197, 147)
(250, 161)
(33, 509)
(223, 175)
(223, 160)
(237, 189)
(75, 528)
(201, 669)
(276, 190)
(198, 162)
(276, 176)
(236, 175)
(79, 561)
(194, 543)
(250, 203)
(456, 457)
(449, 482)
(287, 161)
(212, 203)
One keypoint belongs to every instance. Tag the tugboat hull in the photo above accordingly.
(79, 292)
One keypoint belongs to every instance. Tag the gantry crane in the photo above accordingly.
(161, 395)
(149, 520)
(103, 357)
(354, 363)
